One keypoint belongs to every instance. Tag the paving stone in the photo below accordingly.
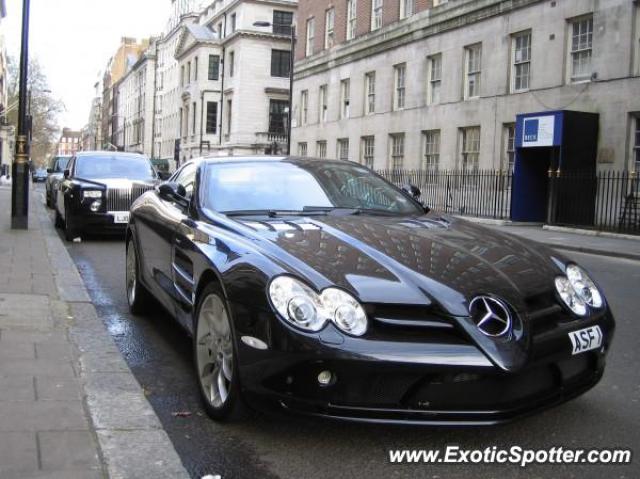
(21, 350)
(58, 389)
(37, 367)
(21, 416)
(15, 336)
(24, 310)
(18, 454)
(16, 388)
(54, 351)
(67, 450)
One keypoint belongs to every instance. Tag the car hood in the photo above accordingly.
(415, 261)
(117, 183)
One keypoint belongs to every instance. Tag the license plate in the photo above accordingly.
(586, 339)
(121, 217)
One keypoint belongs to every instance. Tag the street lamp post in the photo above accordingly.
(291, 63)
(20, 167)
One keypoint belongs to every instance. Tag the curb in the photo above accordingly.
(129, 434)
(594, 251)
(586, 232)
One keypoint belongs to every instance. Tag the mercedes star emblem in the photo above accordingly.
(492, 316)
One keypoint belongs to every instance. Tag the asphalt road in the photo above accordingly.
(159, 354)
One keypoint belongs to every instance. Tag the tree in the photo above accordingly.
(44, 108)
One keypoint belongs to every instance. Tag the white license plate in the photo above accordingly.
(121, 217)
(586, 339)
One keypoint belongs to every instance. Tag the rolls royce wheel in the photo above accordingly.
(137, 295)
(214, 353)
(70, 233)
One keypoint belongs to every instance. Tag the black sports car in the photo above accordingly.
(97, 190)
(317, 287)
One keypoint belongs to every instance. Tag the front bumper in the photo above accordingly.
(429, 383)
(90, 222)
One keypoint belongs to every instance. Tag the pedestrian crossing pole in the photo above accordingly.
(20, 167)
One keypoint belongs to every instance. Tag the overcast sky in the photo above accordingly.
(74, 39)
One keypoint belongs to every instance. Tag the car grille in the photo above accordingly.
(121, 199)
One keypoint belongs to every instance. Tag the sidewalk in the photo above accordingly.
(69, 405)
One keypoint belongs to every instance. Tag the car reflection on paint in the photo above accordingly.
(317, 287)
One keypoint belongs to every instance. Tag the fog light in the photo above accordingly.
(325, 378)
(95, 206)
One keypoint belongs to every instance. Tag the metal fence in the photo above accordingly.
(481, 193)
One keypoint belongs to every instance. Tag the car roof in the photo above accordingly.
(109, 153)
(266, 159)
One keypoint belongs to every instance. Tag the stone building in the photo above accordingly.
(438, 84)
(70, 142)
(7, 131)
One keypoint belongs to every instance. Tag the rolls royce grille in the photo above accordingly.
(120, 199)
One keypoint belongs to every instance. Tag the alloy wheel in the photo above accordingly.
(131, 273)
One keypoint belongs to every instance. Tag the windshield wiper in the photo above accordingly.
(269, 213)
(350, 210)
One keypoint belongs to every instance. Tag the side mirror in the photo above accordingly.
(49, 170)
(173, 192)
(164, 175)
(66, 173)
(413, 190)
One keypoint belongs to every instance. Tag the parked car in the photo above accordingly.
(56, 167)
(97, 190)
(39, 175)
(317, 287)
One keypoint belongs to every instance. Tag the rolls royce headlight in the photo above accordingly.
(93, 194)
(304, 308)
(570, 297)
(584, 286)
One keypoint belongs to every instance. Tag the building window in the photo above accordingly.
(214, 67)
(302, 148)
(345, 96)
(472, 70)
(343, 149)
(470, 147)
(304, 107)
(233, 22)
(399, 90)
(193, 120)
(212, 117)
(520, 61)
(311, 33)
(195, 69)
(282, 22)
(323, 104)
(232, 63)
(509, 146)
(321, 149)
(397, 151)
(581, 48)
(220, 30)
(370, 91)
(280, 63)
(431, 150)
(329, 28)
(188, 72)
(351, 19)
(277, 116)
(182, 75)
(435, 79)
(636, 146)
(368, 150)
(406, 8)
(376, 14)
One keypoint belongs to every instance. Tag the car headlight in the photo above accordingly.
(577, 290)
(304, 308)
(94, 194)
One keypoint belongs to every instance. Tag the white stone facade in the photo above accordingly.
(424, 126)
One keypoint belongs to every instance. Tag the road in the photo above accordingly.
(159, 354)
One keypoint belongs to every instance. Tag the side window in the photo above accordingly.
(70, 166)
(187, 178)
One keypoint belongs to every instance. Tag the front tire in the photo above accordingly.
(214, 356)
(137, 295)
(70, 233)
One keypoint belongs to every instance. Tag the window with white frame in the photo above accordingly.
(431, 158)
(400, 84)
(302, 148)
(323, 104)
(509, 146)
(345, 98)
(352, 11)
(472, 71)
(435, 79)
(470, 147)
(343, 149)
(520, 61)
(370, 93)
(329, 28)
(580, 47)
(311, 33)
(321, 149)
(376, 14)
(304, 107)
(397, 151)
(368, 150)
(406, 8)
(636, 146)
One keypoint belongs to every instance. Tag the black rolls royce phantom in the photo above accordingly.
(97, 190)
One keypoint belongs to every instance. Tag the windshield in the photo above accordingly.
(300, 186)
(128, 167)
(60, 164)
